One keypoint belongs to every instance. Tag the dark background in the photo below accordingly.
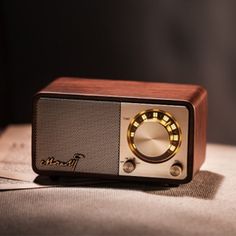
(165, 41)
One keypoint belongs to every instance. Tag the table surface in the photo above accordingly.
(206, 206)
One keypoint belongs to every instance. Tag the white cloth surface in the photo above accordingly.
(206, 206)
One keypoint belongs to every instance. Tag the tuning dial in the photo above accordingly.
(129, 166)
(154, 136)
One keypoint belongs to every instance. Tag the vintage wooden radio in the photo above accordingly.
(120, 130)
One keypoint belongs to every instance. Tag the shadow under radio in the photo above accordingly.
(204, 186)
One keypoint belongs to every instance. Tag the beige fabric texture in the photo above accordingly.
(206, 206)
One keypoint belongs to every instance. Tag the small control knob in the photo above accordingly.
(176, 170)
(129, 166)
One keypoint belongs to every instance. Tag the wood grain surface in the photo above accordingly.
(120, 88)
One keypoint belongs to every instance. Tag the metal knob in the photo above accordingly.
(129, 166)
(154, 136)
(176, 170)
(151, 138)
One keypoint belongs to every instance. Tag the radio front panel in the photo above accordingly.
(113, 138)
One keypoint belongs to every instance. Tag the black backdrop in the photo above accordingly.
(165, 41)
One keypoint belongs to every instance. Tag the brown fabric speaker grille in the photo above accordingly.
(68, 126)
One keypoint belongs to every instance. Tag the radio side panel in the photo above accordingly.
(200, 128)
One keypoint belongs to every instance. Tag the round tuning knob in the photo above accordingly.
(154, 136)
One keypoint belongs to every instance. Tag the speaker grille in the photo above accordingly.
(67, 126)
